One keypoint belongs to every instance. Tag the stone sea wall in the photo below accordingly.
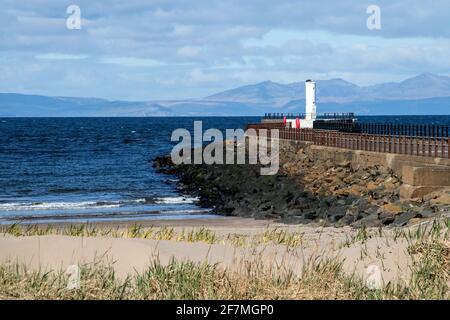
(317, 185)
(376, 179)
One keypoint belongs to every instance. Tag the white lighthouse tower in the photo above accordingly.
(311, 109)
(311, 120)
(310, 98)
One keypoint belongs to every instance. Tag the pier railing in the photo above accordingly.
(437, 147)
(390, 129)
(413, 130)
(330, 115)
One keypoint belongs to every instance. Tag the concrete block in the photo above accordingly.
(426, 176)
(411, 192)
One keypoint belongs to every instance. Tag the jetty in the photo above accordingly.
(418, 153)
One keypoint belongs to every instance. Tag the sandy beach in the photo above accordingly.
(130, 255)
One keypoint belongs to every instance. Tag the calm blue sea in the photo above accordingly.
(98, 169)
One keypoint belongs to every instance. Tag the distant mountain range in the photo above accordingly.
(424, 86)
(424, 94)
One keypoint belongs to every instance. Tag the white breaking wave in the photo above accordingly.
(182, 212)
(130, 214)
(176, 200)
(22, 206)
(16, 206)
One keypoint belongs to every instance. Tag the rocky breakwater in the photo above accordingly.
(305, 191)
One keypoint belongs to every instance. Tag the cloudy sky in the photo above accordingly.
(172, 49)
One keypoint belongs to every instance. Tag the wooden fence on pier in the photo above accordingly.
(437, 147)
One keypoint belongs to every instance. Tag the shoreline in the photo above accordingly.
(219, 221)
(238, 248)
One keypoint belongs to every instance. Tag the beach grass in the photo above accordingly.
(428, 246)
(188, 280)
(436, 228)
(200, 234)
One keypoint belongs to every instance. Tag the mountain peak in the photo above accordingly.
(262, 92)
(427, 76)
(339, 81)
(426, 80)
(266, 82)
(422, 86)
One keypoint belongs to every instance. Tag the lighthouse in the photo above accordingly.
(310, 99)
(311, 109)
(310, 119)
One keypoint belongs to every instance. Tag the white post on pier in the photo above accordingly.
(310, 98)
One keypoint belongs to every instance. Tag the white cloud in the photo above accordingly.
(190, 52)
(132, 62)
(197, 76)
(59, 56)
(161, 44)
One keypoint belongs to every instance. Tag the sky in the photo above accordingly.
(174, 49)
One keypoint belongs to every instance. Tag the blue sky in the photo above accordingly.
(173, 49)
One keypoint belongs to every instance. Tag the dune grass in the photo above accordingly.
(437, 227)
(270, 236)
(188, 280)
(428, 246)
(133, 231)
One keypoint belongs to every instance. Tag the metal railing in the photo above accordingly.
(437, 147)
(334, 115)
(412, 130)
(337, 125)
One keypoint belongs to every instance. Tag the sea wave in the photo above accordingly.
(176, 200)
(25, 206)
(22, 206)
(108, 216)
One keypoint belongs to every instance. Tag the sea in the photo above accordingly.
(65, 170)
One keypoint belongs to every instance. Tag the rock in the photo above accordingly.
(345, 164)
(346, 220)
(386, 220)
(425, 212)
(371, 220)
(336, 213)
(355, 190)
(403, 219)
(388, 212)
(372, 186)
(163, 164)
(362, 204)
(295, 220)
(294, 212)
(310, 214)
(443, 199)
(392, 208)
(389, 186)
(333, 189)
